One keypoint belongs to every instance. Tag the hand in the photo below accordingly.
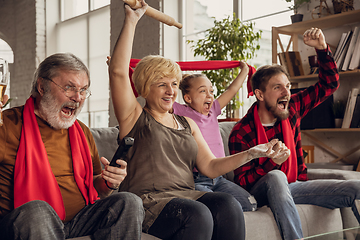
(138, 13)
(314, 37)
(108, 58)
(113, 175)
(275, 149)
(280, 153)
(244, 66)
(5, 99)
(262, 150)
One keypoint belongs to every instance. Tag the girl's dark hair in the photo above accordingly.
(185, 83)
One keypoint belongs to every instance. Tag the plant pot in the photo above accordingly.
(296, 18)
(338, 122)
(342, 5)
(228, 119)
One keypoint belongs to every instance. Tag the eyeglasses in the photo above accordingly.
(71, 91)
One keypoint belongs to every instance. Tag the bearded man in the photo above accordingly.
(52, 185)
(282, 182)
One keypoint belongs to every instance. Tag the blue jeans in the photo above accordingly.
(273, 190)
(118, 216)
(221, 184)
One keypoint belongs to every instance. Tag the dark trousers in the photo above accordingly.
(213, 216)
(118, 216)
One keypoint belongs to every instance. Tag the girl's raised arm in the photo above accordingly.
(234, 87)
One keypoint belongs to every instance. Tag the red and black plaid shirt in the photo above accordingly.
(243, 135)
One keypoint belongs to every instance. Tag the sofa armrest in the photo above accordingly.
(319, 173)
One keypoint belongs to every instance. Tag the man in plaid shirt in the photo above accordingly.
(282, 182)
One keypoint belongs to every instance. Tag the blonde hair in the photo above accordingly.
(151, 69)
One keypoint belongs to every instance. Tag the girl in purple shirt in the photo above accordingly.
(201, 106)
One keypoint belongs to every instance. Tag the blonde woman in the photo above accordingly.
(167, 147)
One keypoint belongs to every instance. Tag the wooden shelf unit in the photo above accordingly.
(314, 77)
(331, 130)
(293, 30)
(323, 145)
(296, 29)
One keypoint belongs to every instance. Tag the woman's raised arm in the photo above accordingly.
(127, 109)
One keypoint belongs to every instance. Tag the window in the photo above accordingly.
(265, 14)
(74, 8)
(95, 4)
(87, 36)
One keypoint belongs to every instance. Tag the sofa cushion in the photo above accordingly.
(144, 236)
(318, 173)
(261, 224)
(316, 220)
(225, 129)
(106, 141)
(348, 218)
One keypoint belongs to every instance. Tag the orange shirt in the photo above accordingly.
(57, 146)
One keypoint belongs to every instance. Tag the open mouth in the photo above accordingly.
(282, 104)
(207, 105)
(167, 99)
(68, 111)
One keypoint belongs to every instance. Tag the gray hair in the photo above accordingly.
(52, 65)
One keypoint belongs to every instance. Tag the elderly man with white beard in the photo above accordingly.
(52, 185)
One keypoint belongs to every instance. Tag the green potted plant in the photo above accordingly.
(228, 39)
(297, 17)
(339, 111)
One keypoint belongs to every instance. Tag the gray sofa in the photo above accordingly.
(260, 224)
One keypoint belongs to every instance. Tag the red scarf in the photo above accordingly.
(200, 66)
(289, 167)
(252, 70)
(33, 177)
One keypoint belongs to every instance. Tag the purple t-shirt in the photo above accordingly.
(208, 125)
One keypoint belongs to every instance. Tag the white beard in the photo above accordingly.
(50, 110)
